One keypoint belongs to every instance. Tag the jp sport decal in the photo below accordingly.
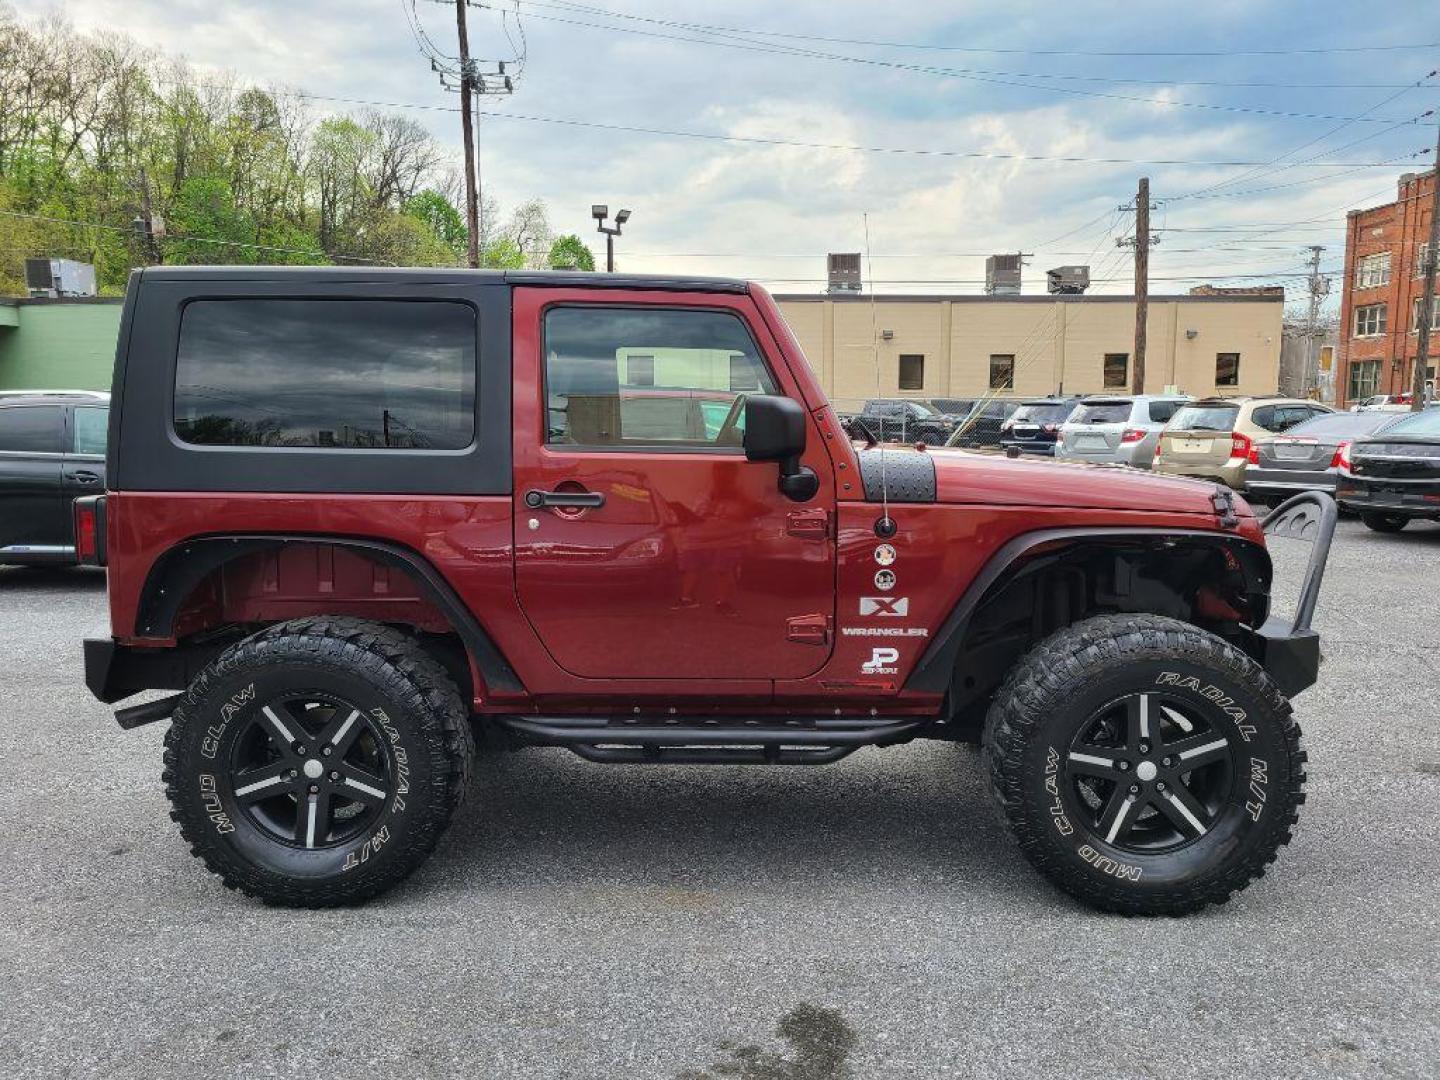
(881, 662)
(894, 607)
(885, 580)
(885, 555)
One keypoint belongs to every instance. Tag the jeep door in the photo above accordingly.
(646, 545)
(32, 519)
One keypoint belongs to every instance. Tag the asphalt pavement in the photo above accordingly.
(863, 919)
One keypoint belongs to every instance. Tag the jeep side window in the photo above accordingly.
(341, 374)
(618, 376)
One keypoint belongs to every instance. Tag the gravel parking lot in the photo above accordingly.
(865, 919)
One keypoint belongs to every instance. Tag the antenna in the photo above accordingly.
(875, 359)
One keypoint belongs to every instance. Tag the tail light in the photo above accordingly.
(90, 530)
(1135, 434)
(1241, 446)
(1159, 445)
(1253, 456)
(1341, 460)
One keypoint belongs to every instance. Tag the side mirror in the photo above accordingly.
(775, 431)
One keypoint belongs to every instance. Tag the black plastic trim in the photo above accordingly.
(177, 572)
(937, 666)
(899, 476)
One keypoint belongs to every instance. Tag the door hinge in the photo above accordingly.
(808, 629)
(808, 524)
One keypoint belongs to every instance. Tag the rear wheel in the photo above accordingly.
(1144, 765)
(318, 762)
(1384, 523)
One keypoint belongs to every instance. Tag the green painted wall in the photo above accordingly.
(58, 346)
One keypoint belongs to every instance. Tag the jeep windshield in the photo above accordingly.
(1205, 418)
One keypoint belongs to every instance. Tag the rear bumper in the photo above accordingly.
(1409, 497)
(1231, 473)
(1263, 479)
(1136, 455)
(114, 671)
(1029, 446)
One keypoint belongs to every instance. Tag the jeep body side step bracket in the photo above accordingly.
(712, 740)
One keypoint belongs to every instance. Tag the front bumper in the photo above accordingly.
(1288, 648)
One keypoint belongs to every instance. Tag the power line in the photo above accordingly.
(1013, 52)
(749, 45)
(978, 155)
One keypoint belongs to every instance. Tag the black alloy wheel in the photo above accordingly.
(311, 769)
(1149, 773)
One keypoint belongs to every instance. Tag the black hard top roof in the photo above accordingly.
(416, 275)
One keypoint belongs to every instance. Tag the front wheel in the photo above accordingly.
(1384, 523)
(318, 762)
(1144, 765)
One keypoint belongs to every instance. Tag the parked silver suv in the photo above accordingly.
(1118, 429)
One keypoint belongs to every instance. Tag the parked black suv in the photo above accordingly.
(900, 420)
(52, 450)
(1035, 426)
(982, 426)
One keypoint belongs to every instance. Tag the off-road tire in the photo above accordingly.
(1384, 523)
(1055, 691)
(422, 724)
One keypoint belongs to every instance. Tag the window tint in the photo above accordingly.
(1267, 417)
(33, 429)
(1101, 412)
(369, 374)
(90, 427)
(1204, 418)
(695, 368)
(1162, 411)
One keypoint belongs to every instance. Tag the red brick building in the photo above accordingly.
(1380, 302)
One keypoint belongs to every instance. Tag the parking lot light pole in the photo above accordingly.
(599, 211)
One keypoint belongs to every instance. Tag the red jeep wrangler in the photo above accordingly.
(360, 517)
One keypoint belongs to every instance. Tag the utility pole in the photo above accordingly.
(1319, 289)
(467, 125)
(1142, 243)
(148, 226)
(1427, 302)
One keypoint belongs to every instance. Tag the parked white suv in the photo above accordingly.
(1120, 429)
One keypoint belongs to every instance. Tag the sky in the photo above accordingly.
(783, 92)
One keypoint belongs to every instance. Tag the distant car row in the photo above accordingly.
(1379, 460)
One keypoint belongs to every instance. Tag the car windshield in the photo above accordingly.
(1425, 423)
(1101, 412)
(1047, 412)
(1343, 425)
(1205, 418)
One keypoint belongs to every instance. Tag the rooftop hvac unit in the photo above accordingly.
(1002, 275)
(1068, 279)
(844, 272)
(59, 277)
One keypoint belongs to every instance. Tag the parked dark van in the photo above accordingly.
(52, 450)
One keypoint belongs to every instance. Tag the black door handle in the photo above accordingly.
(85, 476)
(569, 500)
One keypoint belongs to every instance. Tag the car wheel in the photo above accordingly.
(318, 762)
(1144, 765)
(1384, 523)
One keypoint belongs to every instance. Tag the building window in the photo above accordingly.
(342, 374)
(1421, 253)
(1117, 370)
(639, 370)
(1370, 320)
(912, 371)
(1372, 270)
(1002, 371)
(1227, 369)
(743, 375)
(1364, 379)
(1415, 315)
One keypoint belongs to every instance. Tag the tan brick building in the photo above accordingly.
(965, 346)
(1379, 305)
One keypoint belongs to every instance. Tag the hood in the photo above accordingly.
(963, 476)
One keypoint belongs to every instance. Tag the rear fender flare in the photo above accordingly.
(175, 575)
(937, 666)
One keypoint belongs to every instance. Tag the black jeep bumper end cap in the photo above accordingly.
(99, 658)
(1292, 657)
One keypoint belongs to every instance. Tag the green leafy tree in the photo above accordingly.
(570, 253)
(503, 254)
(438, 215)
